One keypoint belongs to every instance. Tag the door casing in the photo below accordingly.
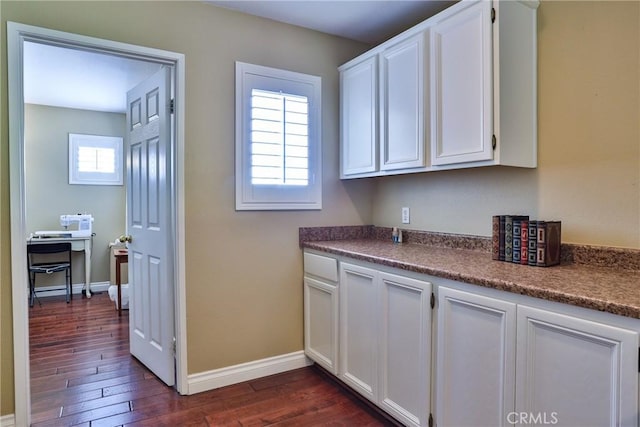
(17, 34)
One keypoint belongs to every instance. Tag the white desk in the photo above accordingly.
(78, 244)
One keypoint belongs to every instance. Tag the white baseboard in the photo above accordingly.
(8, 420)
(50, 291)
(216, 378)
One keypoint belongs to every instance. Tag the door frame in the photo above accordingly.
(17, 34)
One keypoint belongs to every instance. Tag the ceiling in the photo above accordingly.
(369, 21)
(73, 78)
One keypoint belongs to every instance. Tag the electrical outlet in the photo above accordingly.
(405, 215)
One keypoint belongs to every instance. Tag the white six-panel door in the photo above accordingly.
(151, 290)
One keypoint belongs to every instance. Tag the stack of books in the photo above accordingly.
(517, 239)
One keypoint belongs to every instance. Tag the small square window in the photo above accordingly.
(278, 139)
(95, 160)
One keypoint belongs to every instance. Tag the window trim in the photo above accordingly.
(276, 197)
(76, 141)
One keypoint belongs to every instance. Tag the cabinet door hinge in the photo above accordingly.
(638, 359)
(430, 420)
(493, 15)
(171, 106)
(494, 142)
(433, 300)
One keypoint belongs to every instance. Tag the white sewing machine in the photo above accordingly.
(79, 225)
(78, 231)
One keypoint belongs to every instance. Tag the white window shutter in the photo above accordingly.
(277, 139)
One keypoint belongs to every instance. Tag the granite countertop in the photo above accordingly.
(611, 289)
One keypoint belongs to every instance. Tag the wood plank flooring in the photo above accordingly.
(82, 374)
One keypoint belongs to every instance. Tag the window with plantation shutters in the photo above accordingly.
(277, 139)
(95, 159)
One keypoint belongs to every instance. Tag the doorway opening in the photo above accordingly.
(19, 37)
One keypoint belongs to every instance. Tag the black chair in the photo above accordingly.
(44, 262)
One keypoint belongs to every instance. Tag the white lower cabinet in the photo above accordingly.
(321, 310)
(500, 359)
(358, 330)
(321, 323)
(475, 368)
(500, 362)
(385, 340)
(405, 348)
(576, 372)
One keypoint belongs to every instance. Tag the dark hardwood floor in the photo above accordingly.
(82, 374)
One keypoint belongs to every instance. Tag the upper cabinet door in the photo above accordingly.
(359, 120)
(461, 86)
(402, 100)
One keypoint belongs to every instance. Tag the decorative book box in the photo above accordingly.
(517, 239)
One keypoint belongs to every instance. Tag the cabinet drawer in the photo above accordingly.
(321, 266)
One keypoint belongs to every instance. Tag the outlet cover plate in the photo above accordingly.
(406, 218)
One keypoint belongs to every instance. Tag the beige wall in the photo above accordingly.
(588, 173)
(48, 192)
(244, 299)
(244, 269)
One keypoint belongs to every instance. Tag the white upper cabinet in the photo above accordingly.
(458, 90)
(402, 100)
(484, 85)
(382, 97)
(515, 92)
(359, 117)
(461, 86)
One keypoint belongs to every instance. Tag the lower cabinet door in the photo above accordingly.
(575, 372)
(358, 366)
(321, 323)
(405, 351)
(475, 361)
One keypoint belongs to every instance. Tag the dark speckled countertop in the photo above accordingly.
(611, 282)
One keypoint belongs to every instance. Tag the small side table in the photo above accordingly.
(121, 256)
